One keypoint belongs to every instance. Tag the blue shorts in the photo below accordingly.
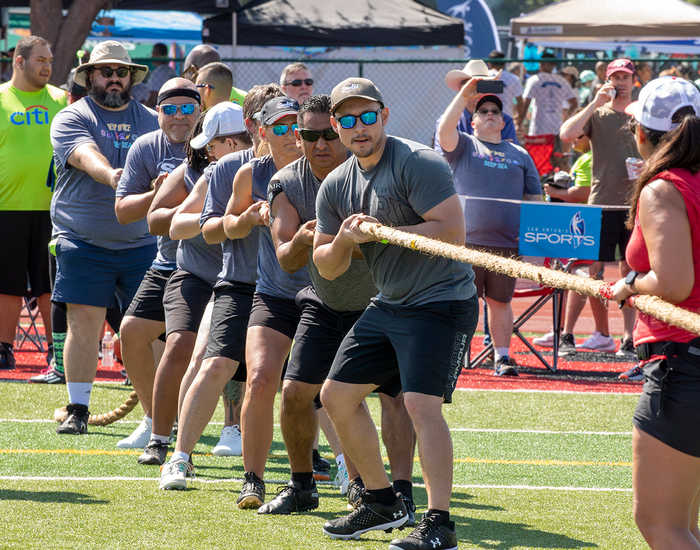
(95, 276)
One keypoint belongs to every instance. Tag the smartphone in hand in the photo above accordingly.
(489, 87)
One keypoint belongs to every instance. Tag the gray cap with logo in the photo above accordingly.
(277, 108)
(355, 87)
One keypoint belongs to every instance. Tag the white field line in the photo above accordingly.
(471, 430)
(273, 481)
(575, 392)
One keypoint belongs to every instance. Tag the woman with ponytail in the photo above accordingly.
(664, 252)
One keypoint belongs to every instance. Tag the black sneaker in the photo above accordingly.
(355, 491)
(410, 508)
(322, 468)
(76, 422)
(429, 534)
(567, 345)
(7, 356)
(368, 516)
(252, 493)
(154, 453)
(291, 498)
(48, 376)
(626, 350)
(505, 366)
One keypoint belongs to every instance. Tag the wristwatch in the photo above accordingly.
(630, 278)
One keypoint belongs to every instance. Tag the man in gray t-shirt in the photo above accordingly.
(413, 335)
(98, 259)
(152, 157)
(486, 167)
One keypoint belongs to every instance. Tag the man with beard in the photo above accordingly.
(27, 106)
(152, 157)
(100, 262)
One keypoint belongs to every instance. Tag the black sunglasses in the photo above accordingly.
(299, 81)
(314, 135)
(205, 86)
(109, 71)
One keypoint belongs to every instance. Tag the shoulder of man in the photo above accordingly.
(57, 94)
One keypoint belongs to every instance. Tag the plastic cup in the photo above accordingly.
(634, 167)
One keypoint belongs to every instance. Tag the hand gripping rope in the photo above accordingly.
(651, 305)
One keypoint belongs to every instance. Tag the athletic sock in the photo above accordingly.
(501, 352)
(79, 393)
(444, 515)
(59, 341)
(160, 438)
(59, 326)
(179, 455)
(404, 487)
(304, 479)
(383, 496)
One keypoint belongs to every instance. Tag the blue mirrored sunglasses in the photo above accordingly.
(282, 129)
(170, 109)
(368, 118)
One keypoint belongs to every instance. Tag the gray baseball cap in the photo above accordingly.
(355, 87)
(276, 108)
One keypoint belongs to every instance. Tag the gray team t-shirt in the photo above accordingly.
(408, 180)
(240, 256)
(151, 155)
(353, 290)
(81, 208)
(272, 279)
(500, 171)
(194, 255)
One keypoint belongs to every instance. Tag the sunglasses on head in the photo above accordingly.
(109, 71)
(313, 135)
(282, 129)
(299, 81)
(185, 108)
(368, 118)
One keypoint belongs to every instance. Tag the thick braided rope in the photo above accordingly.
(651, 305)
(104, 419)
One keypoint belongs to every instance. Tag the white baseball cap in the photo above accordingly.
(659, 100)
(223, 119)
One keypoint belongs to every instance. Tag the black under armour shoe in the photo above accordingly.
(410, 508)
(368, 516)
(292, 498)
(429, 534)
(76, 422)
(252, 493)
(154, 453)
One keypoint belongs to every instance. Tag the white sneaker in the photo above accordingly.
(229, 443)
(598, 342)
(174, 474)
(341, 477)
(546, 341)
(139, 438)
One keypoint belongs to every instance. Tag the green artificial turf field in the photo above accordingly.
(532, 470)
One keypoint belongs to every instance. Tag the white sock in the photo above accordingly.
(340, 459)
(79, 392)
(501, 352)
(160, 438)
(179, 455)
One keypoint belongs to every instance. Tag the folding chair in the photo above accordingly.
(544, 294)
(30, 332)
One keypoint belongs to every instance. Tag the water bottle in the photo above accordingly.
(107, 350)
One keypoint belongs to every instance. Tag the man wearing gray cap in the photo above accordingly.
(414, 334)
(100, 262)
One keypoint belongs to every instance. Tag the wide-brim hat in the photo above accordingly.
(475, 67)
(110, 51)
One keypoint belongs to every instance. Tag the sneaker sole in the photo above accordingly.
(394, 547)
(69, 432)
(130, 445)
(297, 511)
(606, 349)
(250, 502)
(224, 451)
(387, 527)
(150, 462)
(177, 485)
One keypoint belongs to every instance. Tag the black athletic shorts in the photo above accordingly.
(317, 339)
(229, 321)
(148, 300)
(613, 234)
(280, 314)
(669, 407)
(185, 298)
(408, 348)
(24, 244)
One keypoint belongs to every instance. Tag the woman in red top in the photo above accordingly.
(664, 252)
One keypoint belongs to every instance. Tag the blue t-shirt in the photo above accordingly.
(151, 155)
(502, 171)
(82, 208)
(465, 125)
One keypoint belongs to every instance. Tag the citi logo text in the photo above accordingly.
(34, 114)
